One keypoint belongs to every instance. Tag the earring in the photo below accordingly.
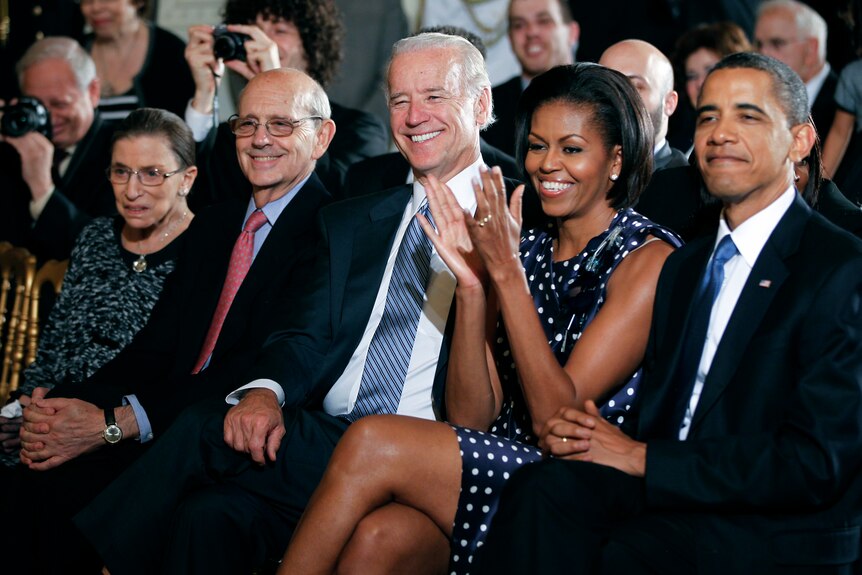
(183, 192)
(614, 177)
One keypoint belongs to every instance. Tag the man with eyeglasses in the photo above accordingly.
(52, 182)
(239, 265)
(795, 34)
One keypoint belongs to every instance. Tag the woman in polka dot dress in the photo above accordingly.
(553, 318)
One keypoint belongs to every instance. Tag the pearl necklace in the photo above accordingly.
(140, 264)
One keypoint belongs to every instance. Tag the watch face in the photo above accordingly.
(113, 434)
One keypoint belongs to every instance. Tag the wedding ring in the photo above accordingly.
(485, 220)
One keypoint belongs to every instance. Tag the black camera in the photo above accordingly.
(26, 115)
(229, 45)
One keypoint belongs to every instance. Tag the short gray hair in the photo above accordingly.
(473, 77)
(59, 48)
(808, 22)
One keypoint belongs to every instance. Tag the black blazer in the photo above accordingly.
(358, 135)
(157, 365)
(823, 107)
(771, 467)
(501, 134)
(315, 343)
(82, 194)
(390, 170)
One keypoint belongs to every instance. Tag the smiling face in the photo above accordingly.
(568, 162)
(109, 18)
(745, 149)
(697, 66)
(72, 109)
(150, 207)
(275, 164)
(539, 36)
(286, 36)
(434, 123)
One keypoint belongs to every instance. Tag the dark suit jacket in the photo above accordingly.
(823, 107)
(771, 468)
(82, 194)
(312, 347)
(358, 135)
(501, 134)
(390, 170)
(668, 157)
(156, 366)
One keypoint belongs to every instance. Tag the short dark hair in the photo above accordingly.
(318, 21)
(158, 122)
(617, 113)
(786, 84)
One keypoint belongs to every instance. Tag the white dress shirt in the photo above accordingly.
(416, 395)
(749, 237)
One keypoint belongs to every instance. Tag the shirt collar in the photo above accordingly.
(273, 209)
(751, 235)
(812, 87)
(461, 185)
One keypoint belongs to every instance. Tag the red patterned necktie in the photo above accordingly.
(240, 261)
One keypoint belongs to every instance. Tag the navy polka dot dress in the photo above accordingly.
(567, 296)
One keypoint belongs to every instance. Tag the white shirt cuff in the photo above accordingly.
(234, 397)
(200, 124)
(38, 206)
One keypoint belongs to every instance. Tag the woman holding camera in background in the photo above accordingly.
(138, 63)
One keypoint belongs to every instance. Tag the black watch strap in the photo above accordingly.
(110, 419)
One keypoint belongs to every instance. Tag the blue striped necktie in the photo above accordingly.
(392, 344)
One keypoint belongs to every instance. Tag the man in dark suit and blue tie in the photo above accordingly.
(743, 456)
(223, 490)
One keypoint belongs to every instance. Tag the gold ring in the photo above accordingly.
(485, 220)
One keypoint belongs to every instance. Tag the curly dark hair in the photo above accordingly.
(318, 21)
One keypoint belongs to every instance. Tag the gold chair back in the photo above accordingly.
(52, 272)
(17, 271)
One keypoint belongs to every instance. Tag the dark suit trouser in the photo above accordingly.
(44, 539)
(571, 517)
(201, 507)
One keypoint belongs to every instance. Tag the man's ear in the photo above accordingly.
(670, 103)
(483, 106)
(94, 91)
(323, 138)
(804, 136)
(574, 33)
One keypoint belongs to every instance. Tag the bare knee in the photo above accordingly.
(366, 442)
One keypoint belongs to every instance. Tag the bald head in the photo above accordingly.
(651, 73)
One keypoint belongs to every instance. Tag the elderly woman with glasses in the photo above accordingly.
(120, 263)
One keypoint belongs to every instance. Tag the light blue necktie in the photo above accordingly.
(698, 324)
(392, 343)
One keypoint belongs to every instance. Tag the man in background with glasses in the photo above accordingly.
(795, 34)
(239, 266)
(52, 169)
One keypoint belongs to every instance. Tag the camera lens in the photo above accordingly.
(26, 115)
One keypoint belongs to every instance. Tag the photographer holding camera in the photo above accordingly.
(261, 35)
(53, 151)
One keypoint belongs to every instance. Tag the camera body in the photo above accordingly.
(28, 114)
(229, 45)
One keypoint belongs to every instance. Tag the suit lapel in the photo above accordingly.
(764, 282)
(360, 254)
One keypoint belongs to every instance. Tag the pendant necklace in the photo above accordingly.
(140, 264)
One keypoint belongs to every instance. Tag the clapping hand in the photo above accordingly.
(496, 228)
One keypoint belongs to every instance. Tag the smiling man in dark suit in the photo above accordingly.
(233, 481)
(743, 456)
(53, 186)
(207, 327)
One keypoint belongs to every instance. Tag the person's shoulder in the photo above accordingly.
(164, 37)
(513, 83)
(344, 115)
